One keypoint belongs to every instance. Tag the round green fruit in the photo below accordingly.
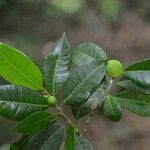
(114, 68)
(51, 101)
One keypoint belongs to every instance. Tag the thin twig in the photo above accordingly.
(59, 109)
(87, 123)
(91, 114)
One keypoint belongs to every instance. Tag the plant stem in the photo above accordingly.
(59, 109)
(87, 123)
(92, 113)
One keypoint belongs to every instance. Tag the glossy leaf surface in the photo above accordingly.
(49, 138)
(135, 102)
(56, 65)
(129, 85)
(17, 68)
(71, 138)
(82, 82)
(112, 109)
(21, 144)
(140, 72)
(87, 107)
(16, 102)
(34, 123)
(88, 52)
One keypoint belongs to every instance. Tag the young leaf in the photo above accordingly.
(88, 52)
(129, 85)
(82, 82)
(71, 138)
(17, 68)
(21, 144)
(140, 72)
(112, 109)
(56, 65)
(87, 107)
(49, 138)
(34, 123)
(16, 102)
(83, 144)
(135, 102)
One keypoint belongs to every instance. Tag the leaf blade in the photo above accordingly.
(87, 107)
(112, 109)
(82, 82)
(17, 102)
(139, 72)
(34, 123)
(135, 102)
(83, 144)
(17, 68)
(56, 65)
(21, 144)
(87, 52)
(50, 137)
(71, 137)
(129, 85)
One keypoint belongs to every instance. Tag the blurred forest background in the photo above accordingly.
(120, 27)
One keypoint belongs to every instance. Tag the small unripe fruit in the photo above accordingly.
(114, 68)
(51, 101)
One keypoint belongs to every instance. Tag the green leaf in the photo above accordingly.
(112, 109)
(88, 52)
(49, 138)
(140, 72)
(16, 102)
(71, 138)
(83, 144)
(21, 144)
(17, 68)
(82, 82)
(129, 85)
(56, 65)
(34, 123)
(87, 107)
(135, 102)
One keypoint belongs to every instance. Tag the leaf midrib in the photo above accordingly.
(135, 101)
(35, 123)
(80, 84)
(83, 53)
(52, 136)
(70, 142)
(109, 102)
(23, 103)
(11, 64)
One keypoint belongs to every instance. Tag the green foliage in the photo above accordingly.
(130, 85)
(135, 102)
(56, 65)
(17, 102)
(34, 123)
(50, 137)
(84, 85)
(139, 72)
(18, 69)
(87, 107)
(71, 138)
(21, 144)
(112, 109)
(82, 82)
(88, 52)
